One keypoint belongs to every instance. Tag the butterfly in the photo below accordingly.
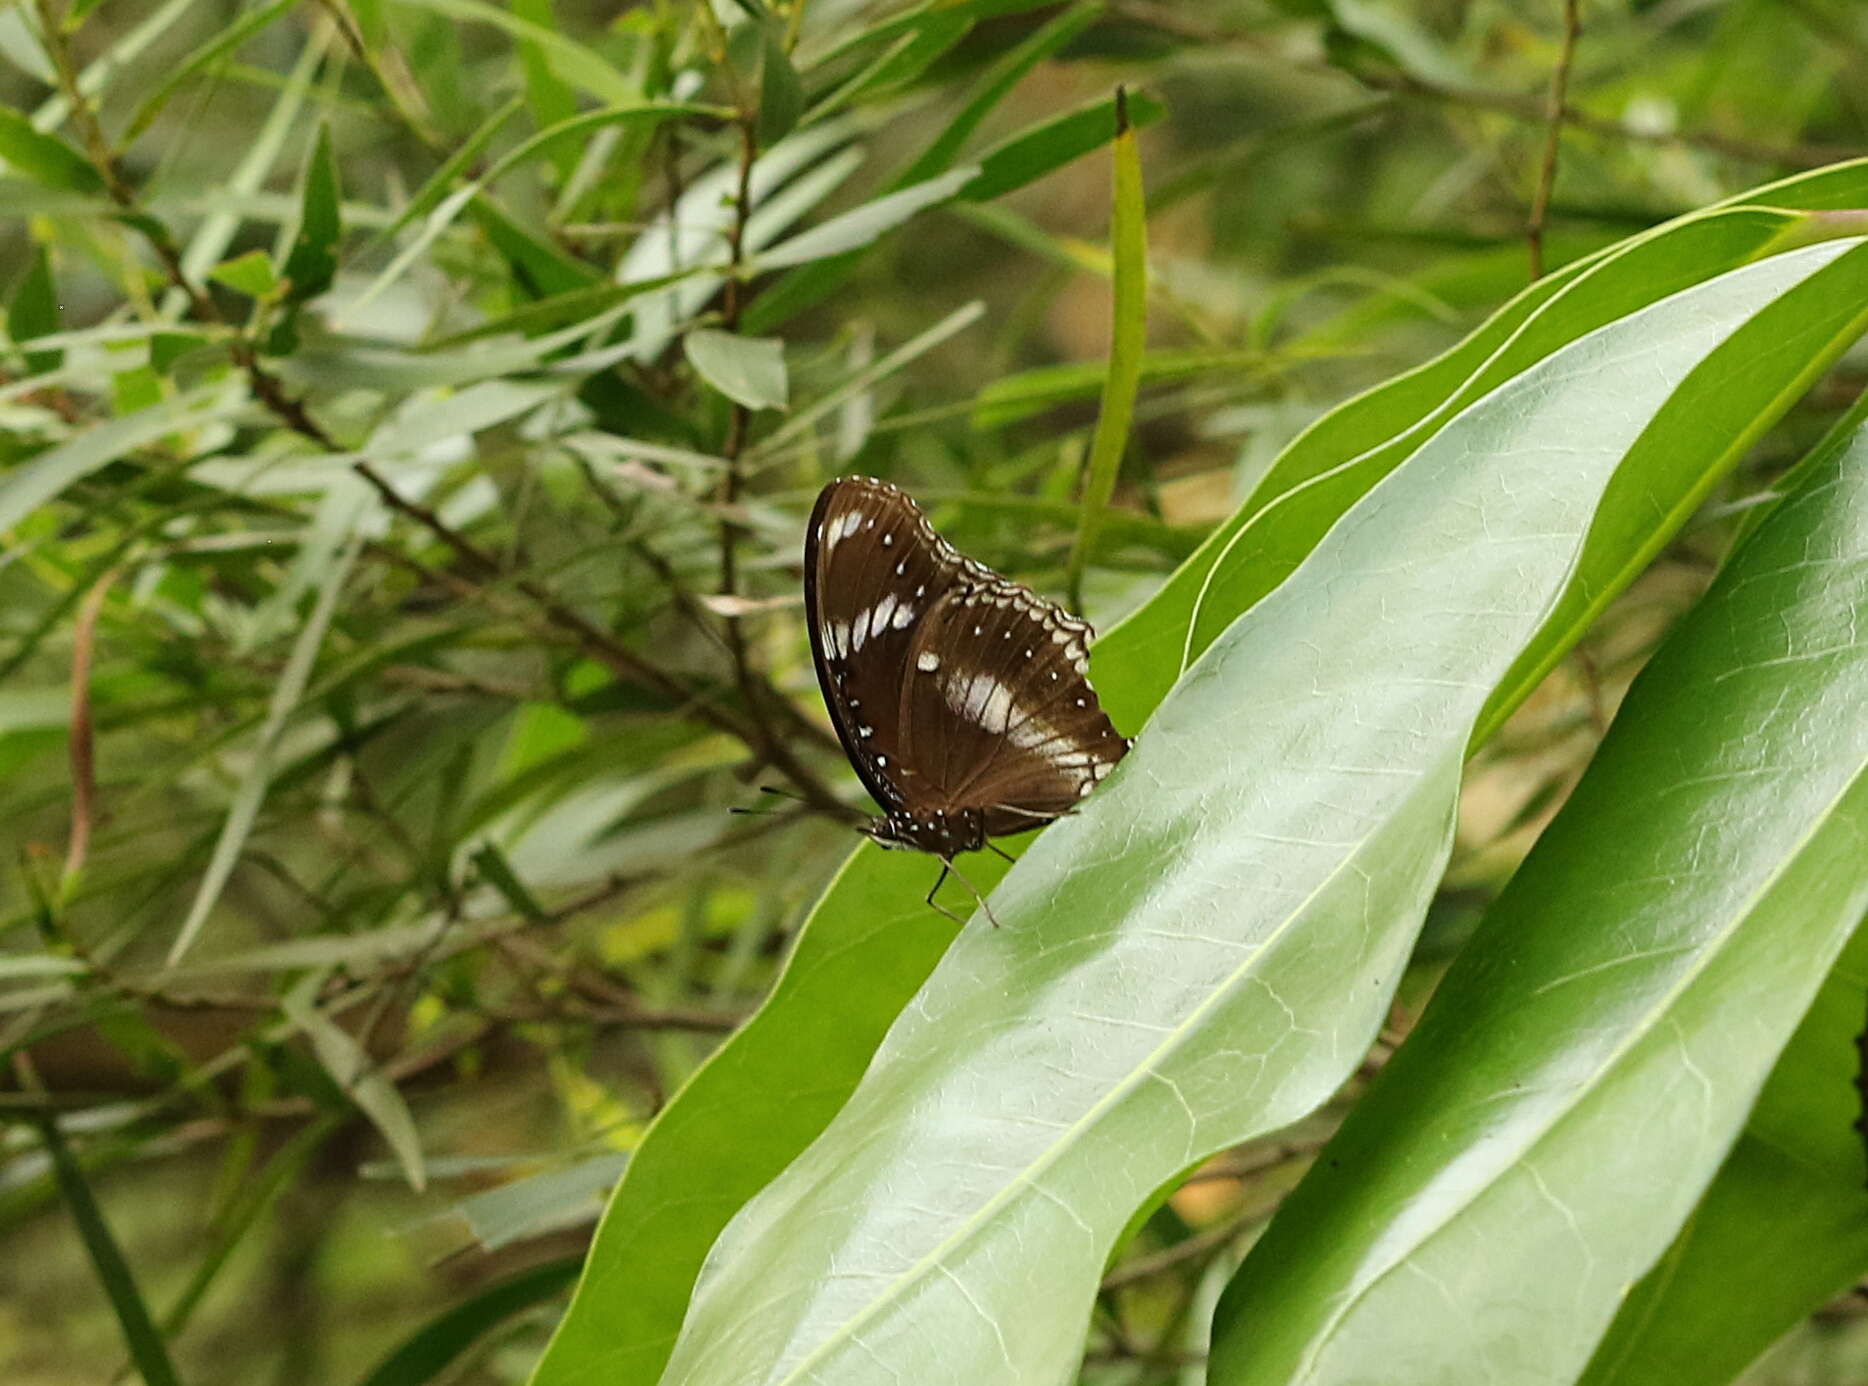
(961, 697)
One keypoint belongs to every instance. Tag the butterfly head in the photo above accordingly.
(931, 830)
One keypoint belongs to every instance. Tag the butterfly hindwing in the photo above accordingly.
(999, 714)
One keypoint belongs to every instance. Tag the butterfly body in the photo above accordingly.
(961, 697)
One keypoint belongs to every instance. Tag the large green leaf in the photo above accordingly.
(1202, 953)
(1783, 1227)
(1591, 1056)
(1350, 449)
(740, 1120)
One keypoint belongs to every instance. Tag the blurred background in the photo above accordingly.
(502, 876)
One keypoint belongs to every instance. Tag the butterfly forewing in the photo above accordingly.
(952, 689)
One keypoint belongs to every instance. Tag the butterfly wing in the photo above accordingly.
(998, 711)
(873, 568)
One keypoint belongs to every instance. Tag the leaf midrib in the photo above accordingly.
(1068, 1136)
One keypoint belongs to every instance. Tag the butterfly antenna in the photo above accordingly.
(775, 793)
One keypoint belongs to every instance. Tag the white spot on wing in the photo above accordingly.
(903, 615)
(927, 661)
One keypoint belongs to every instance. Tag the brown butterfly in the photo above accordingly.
(960, 696)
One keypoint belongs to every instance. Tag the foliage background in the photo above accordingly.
(490, 834)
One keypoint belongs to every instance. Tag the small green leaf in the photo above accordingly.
(251, 274)
(747, 370)
(781, 94)
(33, 312)
(134, 390)
(363, 1082)
(139, 1329)
(311, 264)
(44, 158)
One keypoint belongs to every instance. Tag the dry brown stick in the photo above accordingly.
(1553, 136)
(83, 741)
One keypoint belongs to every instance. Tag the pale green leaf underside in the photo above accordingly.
(1582, 1071)
(1203, 953)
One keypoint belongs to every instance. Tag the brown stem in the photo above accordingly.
(1553, 135)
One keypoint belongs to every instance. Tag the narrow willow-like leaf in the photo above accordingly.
(1202, 953)
(311, 263)
(45, 477)
(433, 1348)
(577, 63)
(45, 159)
(363, 1083)
(747, 370)
(213, 49)
(442, 208)
(813, 282)
(1128, 341)
(1584, 1067)
(33, 312)
(861, 225)
(252, 791)
(139, 1330)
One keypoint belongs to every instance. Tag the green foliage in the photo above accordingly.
(408, 410)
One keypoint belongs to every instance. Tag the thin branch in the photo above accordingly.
(1553, 135)
(1183, 22)
(1199, 1245)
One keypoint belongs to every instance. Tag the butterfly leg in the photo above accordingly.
(945, 867)
(960, 876)
(1005, 855)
